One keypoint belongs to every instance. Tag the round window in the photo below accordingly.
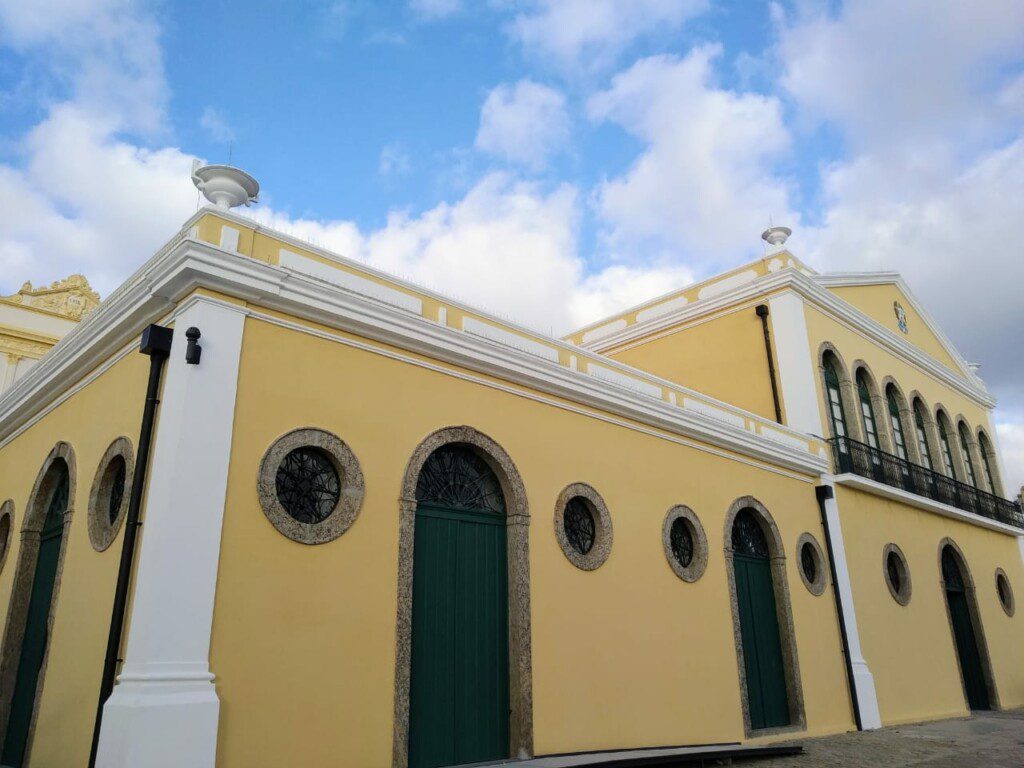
(686, 546)
(308, 486)
(583, 526)
(812, 564)
(111, 487)
(1005, 592)
(897, 575)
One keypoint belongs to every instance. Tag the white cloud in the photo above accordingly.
(705, 184)
(216, 125)
(435, 9)
(393, 160)
(523, 123)
(592, 33)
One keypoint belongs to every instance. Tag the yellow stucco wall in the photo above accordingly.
(852, 346)
(876, 301)
(910, 649)
(628, 655)
(107, 408)
(722, 356)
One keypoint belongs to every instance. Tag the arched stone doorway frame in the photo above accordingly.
(519, 638)
(976, 624)
(784, 611)
(24, 575)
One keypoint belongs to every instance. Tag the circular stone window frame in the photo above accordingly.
(699, 562)
(350, 477)
(6, 513)
(602, 547)
(103, 532)
(1009, 608)
(903, 595)
(820, 582)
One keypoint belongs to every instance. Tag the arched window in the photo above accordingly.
(866, 411)
(947, 451)
(965, 449)
(922, 436)
(837, 415)
(898, 438)
(985, 449)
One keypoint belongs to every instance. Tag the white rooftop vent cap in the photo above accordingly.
(224, 185)
(776, 237)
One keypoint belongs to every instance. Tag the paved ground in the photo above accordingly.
(990, 740)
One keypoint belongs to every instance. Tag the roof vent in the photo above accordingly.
(225, 186)
(776, 237)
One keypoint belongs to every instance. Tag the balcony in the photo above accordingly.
(861, 459)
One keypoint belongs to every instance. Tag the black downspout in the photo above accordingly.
(823, 493)
(156, 342)
(762, 312)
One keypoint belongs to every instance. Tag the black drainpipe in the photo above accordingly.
(762, 312)
(156, 342)
(823, 493)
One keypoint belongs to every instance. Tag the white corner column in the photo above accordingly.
(863, 680)
(163, 712)
(797, 379)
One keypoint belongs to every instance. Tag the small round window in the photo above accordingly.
(686, 546)
(583, 526)
(310, 486)
(1005, 592)
(812, 564)
(897, 574)
(111, 487)
(6, 521)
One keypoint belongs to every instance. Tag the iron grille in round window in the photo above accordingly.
(117, 471)
(308, 486)
(578, 522)
(895, 570)
(809, 562)
(682, 541)
(1005, 592)
(748, 537)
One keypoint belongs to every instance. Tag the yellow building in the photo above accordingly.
(34, 319)
(382, 528)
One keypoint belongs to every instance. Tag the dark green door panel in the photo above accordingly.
(967, 650)
(33, 646)
(459, 700)
(762, 647)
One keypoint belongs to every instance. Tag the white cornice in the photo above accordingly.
(185, 265)
(818, 295)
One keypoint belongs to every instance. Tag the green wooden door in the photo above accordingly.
(963, 633)
(759, 624)
(33, 646)
(459, 705)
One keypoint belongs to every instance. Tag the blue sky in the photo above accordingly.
(550, 160)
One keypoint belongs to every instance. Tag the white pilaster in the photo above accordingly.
(863, 680)
(164, 710)
(797, 380)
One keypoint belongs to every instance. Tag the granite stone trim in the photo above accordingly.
(101, 531)
(817, 586)
(349, 473)
(699, 562)
(21, 591)
(6, 527)
(979, 629)
(1009, 607)
(787, 632)
(519, 633)
(602, 527)
(901, 595)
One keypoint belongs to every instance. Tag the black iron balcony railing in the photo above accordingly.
(861, 459)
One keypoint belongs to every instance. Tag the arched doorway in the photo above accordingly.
(459, 698)
(967, 635)
(767, 700)
(35, 635)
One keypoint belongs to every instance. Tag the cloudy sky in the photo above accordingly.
(550, 160)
